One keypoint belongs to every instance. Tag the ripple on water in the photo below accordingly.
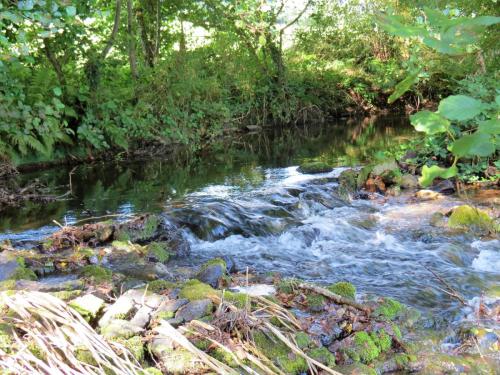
(488, 259)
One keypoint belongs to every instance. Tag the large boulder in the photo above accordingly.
(212, 272)
(315, 167)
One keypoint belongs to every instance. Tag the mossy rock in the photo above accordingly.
(344, 289)
(158, 286)
(348, 183)
(315, 302)
(287, 286)
(195, 290)
(381, 339)
(67, 295)
(237, 299)
(159, 251)
(363, 348)
(356, 369)
(135, 346)
(389, 309)
(468, 217)
(181, 361)
(363, 175)
(224, 356)
(276, 351)
(96, 273)
(323, 356)
(303, 340)
(139, 230)
(315, 167)
(128, 247)
(22, 272)
(88, 306)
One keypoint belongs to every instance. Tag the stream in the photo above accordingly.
(246, 199)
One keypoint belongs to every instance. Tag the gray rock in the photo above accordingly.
(8, 265)
(36, 286)
(172, 305)
(120, 328)
(427, 195)
(195, 310)
(88, 305)
(444, 187)
(211, 274)
(409, 181)
(386, 166)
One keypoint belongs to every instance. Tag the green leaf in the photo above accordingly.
(497, 100)
(483, 21)
(477, 144)
(460, 107)
(57, 91)
(431, 173)
(490, 127)
(71, 11)
(403, 87)
(429, 122)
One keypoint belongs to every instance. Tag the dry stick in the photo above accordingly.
(334, 297)
(451, 292)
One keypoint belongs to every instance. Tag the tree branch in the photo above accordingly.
(116, 25)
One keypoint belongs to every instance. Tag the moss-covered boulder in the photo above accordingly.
(158, 252)
(363, 348)
(323, 356)
(195, 290)
(315, 167)
(143, 229)
(88, 306)
(348, 183)
(13, 267)
(389, 309)
(344, 289)
(212, 272)
(279, 353)
(96, 274)
(468, 217)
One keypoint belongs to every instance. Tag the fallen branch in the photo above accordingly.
(334, 297)
(449, 289)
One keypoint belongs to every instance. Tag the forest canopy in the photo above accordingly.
(119, 74)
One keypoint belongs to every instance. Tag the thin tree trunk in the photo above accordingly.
(116, 26)
(147, 45)
(131, 42)
(55, 64)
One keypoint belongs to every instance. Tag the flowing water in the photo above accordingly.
(248, 200)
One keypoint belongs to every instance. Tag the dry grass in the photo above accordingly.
(58, 333)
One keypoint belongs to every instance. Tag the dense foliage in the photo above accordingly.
(99, 75)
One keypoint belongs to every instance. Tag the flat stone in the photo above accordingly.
(195, 310)
(409, 181)
(172, 305)
(120, 328)
(87, 305)
(427, 195)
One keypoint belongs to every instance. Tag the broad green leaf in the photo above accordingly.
(395, 25)
(460, 107)
(477, 144)
(403, 87)
(490, 127)
(71, 11)
(57, 91)
(429, 122)
(483, 21)
(429, 174)
(442, 46)
(497, 100)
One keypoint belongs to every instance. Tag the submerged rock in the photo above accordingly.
(468, 217)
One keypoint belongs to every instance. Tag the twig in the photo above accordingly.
(450, 291)
(334, 297)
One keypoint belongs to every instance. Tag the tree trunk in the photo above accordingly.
(131, 42)
(55, 63)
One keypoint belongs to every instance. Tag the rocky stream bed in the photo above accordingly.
(117, 297)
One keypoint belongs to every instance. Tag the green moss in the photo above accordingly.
(396, 331)
(160, 285)
(363, 349)
(97, 273)
(36, 351)
(67, 295)
(363, 175)
(276, 322)
(237, 299)
(202, 344)
(287, 286)
(135, 346)
(215, 262)
(471, 218)
(194, 290)
(8, 285)
(138, 231)
(166, 315)
(315, 302)
(315, 167)
(279, 353)
(356, 369)
(344, 289)
(323, 356)
(403, 360)
(22, 272)
(5, 342)
(84, 355)
(382, 340)
(159, 250)
(389, 309)
(303, 340)
(224, 356)
(84, 252)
